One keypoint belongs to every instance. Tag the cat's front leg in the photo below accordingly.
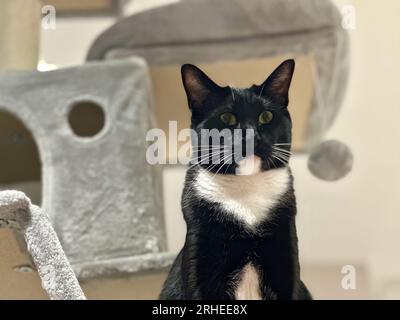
(191, 282)
(205, 269)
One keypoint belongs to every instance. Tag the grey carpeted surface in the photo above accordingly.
(58, 279)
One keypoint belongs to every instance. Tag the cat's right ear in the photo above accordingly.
(198, 86)
(278, 83)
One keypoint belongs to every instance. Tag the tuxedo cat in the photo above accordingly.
(241, 240)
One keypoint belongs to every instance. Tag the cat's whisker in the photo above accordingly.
(279, 159)
(280, 149)
(282, 156)
(270, 162)
(282, 153)
(207, 150)
(287, 155)
(201, 162)
(222, 165)
(203, 153)
(207, 157)
(209, 154)
(226, 157)
(227, 167)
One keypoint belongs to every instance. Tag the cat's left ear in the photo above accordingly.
(278, 83)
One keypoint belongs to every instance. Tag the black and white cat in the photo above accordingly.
(241, 240)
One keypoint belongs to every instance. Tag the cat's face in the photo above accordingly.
(261, 110)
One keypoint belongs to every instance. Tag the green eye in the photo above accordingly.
(228, 118)
(265, 117)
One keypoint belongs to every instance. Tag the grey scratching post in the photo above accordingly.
(58, 279)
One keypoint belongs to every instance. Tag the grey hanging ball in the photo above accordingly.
(331, 160)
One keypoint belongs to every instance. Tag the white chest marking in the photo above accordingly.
(248, 197)
(248, 287)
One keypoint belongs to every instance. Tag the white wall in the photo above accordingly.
(69, 43)
(369, 123)
(357, 219)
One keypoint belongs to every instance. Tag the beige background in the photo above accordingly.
(80, 5)
(19, 33)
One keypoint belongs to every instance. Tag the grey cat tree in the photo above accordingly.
(102, 197)
(58, 278)
(234, 30)
(209, 31)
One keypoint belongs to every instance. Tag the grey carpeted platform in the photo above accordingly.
(58, 279)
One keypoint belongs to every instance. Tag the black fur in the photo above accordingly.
(217, 245)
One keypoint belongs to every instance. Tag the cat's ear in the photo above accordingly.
(198, 86)
(278, 83)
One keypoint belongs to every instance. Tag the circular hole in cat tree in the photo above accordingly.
(20, 160)
(86, 119)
